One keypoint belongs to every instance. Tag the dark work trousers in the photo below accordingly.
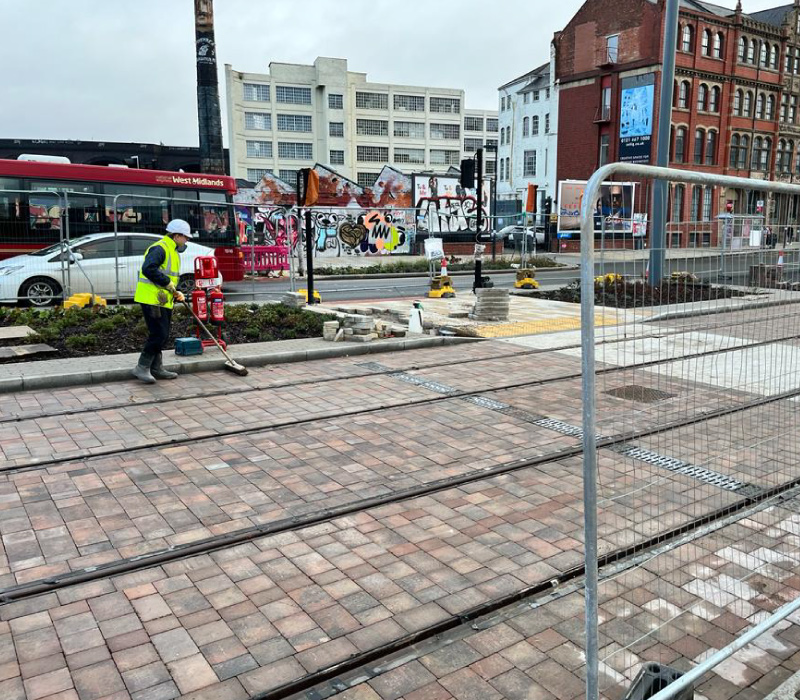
(158, 320)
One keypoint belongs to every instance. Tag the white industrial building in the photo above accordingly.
(297, 115)
(528, 121)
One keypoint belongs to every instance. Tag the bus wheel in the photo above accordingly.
(186, 284)
(39, 292)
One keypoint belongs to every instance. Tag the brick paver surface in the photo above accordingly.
(247, 619)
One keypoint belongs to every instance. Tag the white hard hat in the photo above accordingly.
(179, 226)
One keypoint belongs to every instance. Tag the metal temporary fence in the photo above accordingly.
(691, 384)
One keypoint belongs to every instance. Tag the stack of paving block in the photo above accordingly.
(359, 328)
(293, 299)
(491, 305)
(329, 330)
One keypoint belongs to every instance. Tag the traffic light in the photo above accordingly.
(530, 204)
(548, 205)
(467, 177)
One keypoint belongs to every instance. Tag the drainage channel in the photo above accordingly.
(362, 667)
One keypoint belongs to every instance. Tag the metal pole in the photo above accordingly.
(478, 282)
(657, 238)
(116, 246)
(309, 258)
(287, 220)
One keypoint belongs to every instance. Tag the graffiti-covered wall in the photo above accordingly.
(351, 220)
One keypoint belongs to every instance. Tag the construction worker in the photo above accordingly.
(156, 292)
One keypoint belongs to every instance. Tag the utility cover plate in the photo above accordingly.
(637, 392)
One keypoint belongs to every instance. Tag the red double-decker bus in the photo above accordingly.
(93, 199)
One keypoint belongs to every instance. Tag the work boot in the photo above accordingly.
(158, 371)
(142, 369)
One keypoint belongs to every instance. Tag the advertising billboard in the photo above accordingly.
(613, 210)
(636, 118)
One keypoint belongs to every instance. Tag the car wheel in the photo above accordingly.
(186, 284)
(40, 292)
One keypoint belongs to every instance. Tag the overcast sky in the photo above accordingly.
(123, 70)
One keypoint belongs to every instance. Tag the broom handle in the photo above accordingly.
(208, 332)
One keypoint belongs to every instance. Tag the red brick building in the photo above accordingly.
(735, 101)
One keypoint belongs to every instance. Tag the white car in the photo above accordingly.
(39, 278)
(514, 234)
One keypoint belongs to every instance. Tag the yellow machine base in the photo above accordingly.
(84, 299)
(526, 283)
(304, 292)
(445, 292)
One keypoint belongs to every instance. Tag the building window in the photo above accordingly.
(372, 154)
(491, 143)
(796, 61)
(547, 93)
(535, 95)
(502, 169)
(256, 93)
(294, 151)
(443, 157)
(763, 55)
(758, 148)
(372, 100)
(257, 121)
(472, 145)
(337, 158)
(680, 144)
(489, 166)
(784, 107)
(409, 103)
(705, 43)
(336, 129)
(734, 159)
(449, 132)
(508, 168)
(687, 38)
(781, 163)
(293, 95)
(535, 126)
(256, 174)
(335, 101)
(294, 122)
(289, 176)
(259, 149)
(711, 148)
(526, 126)
(747, 105)
(713, 100)
(699, 142)
(502, 137)
(708, 194)
(473, 123)
(683, 95)
(760, 105)
(605, 103)
(774, 57)
(372, 127)
(546, 123)
(409, 130)
(792, 109)
(677, 202)
(366, 179)
(737, 102)
(491, 124)
(409, 155)
(529, 164)
(697, 198)
(702, 98)
(718, 45)
(612, 48)
(526, 98)
(603, 158)
(769, 112)
(741, 52)
(744, 152)
(788, 61)
(446, 105)
(751, 51)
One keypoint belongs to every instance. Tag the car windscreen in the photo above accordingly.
(57, 246)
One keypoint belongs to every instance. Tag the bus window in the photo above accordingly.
(217, 225)
(13, 210)
(135, 208)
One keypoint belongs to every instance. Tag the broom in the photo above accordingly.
(231, 365)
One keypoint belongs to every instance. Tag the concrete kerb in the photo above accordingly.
(460, 273)
(191, 365)
(705, 308)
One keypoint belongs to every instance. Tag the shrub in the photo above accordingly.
(81, 342)
(102, 325)
(252, 332)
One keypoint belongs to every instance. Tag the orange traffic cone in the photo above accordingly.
(444, 267)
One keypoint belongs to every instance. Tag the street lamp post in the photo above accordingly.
(493, 208)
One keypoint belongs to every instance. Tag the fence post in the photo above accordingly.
(309, 257)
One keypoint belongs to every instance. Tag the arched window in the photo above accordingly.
(687, 38)
(770, 108)
(744, 151)
(763, 55)
(760, 105)
(713, 103)
(697, 199)
(683, 95)
(680, 144)
(741, 52)
(699, 142)
(773, 59)
(526, 126)
(718, 45)
(751, 51)
(755, 161)
(535, 124)
(738, 102)
(766, 151)
(677, 202)
(711, 148)
(781, 162)
(734, 159)
(705, 43)
(702, 97)
(747, 105)
(502, 138)
(788, 62)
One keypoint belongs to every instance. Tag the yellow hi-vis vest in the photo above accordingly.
(147, 292)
